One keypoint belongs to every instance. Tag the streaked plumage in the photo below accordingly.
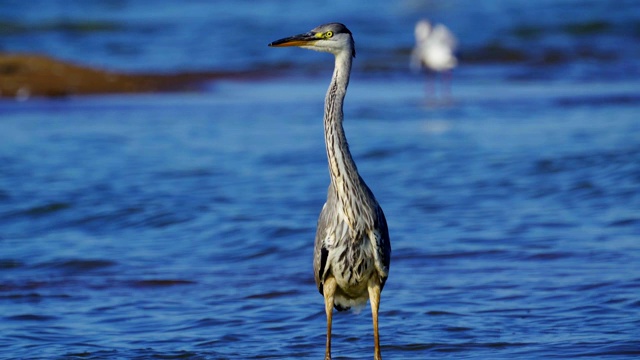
(352, 248)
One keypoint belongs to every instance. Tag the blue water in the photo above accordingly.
(181, 225)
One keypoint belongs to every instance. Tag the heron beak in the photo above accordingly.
(296, 40)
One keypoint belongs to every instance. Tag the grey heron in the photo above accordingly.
(434, 49)
(352, 249)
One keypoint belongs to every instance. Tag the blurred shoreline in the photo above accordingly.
(24, 75)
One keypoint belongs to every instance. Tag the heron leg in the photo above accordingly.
(329, 289)
(446, 84)
(374, 299)
(430, 85)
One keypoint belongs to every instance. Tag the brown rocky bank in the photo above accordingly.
(26, 75)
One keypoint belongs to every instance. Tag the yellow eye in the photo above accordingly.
(328, 34)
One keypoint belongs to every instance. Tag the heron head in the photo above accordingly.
(333, 38)
(422, 30)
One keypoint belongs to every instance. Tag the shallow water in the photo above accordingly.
(181, 225)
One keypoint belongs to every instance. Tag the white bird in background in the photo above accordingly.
(434, 50)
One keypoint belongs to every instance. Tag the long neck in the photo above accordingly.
(350, 188)
(341, 164)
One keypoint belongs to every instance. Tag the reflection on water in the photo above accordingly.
(181, 225)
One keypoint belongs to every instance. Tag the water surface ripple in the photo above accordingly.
(186, 230)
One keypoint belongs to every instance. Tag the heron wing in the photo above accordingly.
(383, 247)
(329, 226)
(443, 36)
(321, 251)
